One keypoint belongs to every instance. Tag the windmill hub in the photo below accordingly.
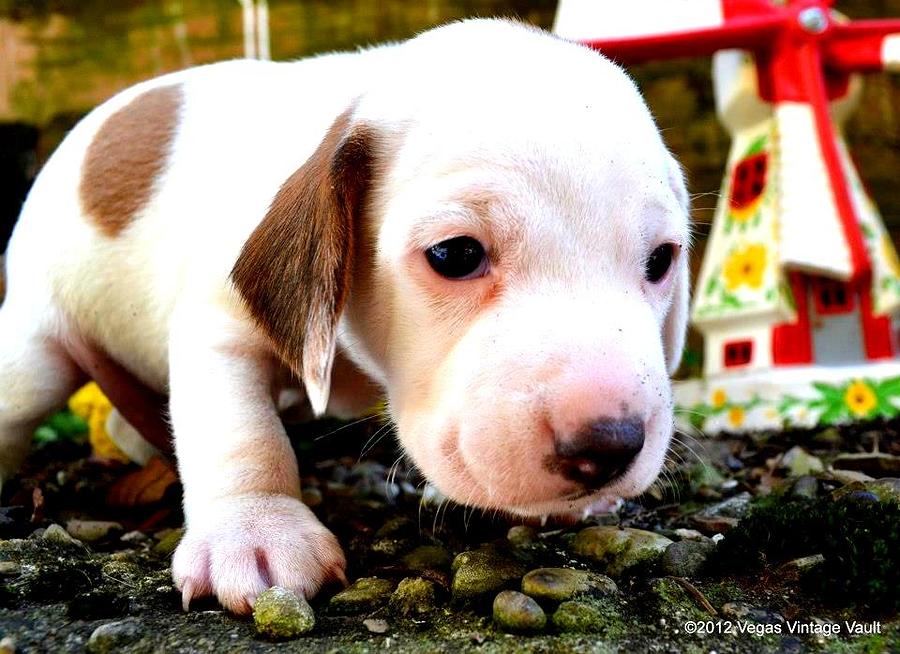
(813, 20)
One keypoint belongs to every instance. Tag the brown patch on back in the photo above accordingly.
(126, 157)
(294, 271)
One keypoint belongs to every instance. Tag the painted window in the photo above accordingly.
(738, 353)
(749, 180)
(832, 297)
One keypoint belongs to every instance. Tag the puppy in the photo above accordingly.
(481, 222)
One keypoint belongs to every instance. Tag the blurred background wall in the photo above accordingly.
(59, 58)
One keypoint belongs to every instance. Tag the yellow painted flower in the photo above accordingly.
(745, 267)
(860, 398)
(90, 404)
(890, 255)
(736, 416)
(719, 398)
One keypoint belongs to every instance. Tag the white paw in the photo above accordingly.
(241, 546)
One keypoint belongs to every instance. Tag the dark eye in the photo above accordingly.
(457, 258)
(659, 262)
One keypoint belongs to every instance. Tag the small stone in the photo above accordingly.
(376, 626)
(480, 572)
(521, 536)
(9, 568)
(427, 557)
(134, 537)
(711, 525)
(850, 476)
(793, 570)
(799, 462)
(734, 507)
(515, 611)
(686, 558)
(806, 487)
(114, 636)
(596, 617)
(876, 464)
(91, 531)
(7, 645)
(279, 614)
(413, 596)
(56, 534)
(689, 534)
(560, 584)
(365, 594)
(168, 543)
(620, 550)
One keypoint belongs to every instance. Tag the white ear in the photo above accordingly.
(675, 324)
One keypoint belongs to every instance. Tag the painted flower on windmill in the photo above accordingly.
(748, 185)
(745, 267)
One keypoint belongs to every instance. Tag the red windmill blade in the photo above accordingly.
(802, 55)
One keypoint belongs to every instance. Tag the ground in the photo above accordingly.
(745, 541)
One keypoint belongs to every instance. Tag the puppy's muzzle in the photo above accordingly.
(600, 452)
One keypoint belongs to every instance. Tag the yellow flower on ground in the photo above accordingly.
(91, 405)
(719, 398)
(745, 267)
(736, 416)
(860, 398)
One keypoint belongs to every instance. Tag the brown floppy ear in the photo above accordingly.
(294, 270)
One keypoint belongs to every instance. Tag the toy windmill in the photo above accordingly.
(798, 298)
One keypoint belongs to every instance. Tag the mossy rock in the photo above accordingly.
(413, 596)
(620, 550)
(482, 572)
(670, 600)
(278, 614)
(516, 612)
(560, 584)
(363, 595)
(599, 616)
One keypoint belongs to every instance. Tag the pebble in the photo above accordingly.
(734, 507)
(9, 568)
(876, 464)
(560, 584)
(91, 531)
(578, 616)
(619, 550)
(56, 534)
(806, 487)
(114, 636)
(311, 497)
(279, 614)
(515, 611)
(168, 543)
(364, 594)
(689, 534)
(376, 626)
(427, 557)
(793, 570)
(134, 537)
(686, 558)
(521, 536)
(799, 462)
(479, 572)
(7, 645)
(413, 596)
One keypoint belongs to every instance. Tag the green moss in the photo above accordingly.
(599, 616)
(858, 536)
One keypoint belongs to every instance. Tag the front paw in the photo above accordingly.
(240, 547)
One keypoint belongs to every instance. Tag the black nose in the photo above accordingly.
(600, 452)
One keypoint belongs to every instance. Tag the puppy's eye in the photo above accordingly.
(457, 258)
(659, 262)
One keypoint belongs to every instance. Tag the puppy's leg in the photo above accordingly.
(36, 377)
(246, 527)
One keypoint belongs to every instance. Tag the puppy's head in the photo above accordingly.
(510, 236)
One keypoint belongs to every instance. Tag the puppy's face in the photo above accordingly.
(505, 238)
(530, 283)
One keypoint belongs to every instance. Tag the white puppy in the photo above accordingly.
(483, 222)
